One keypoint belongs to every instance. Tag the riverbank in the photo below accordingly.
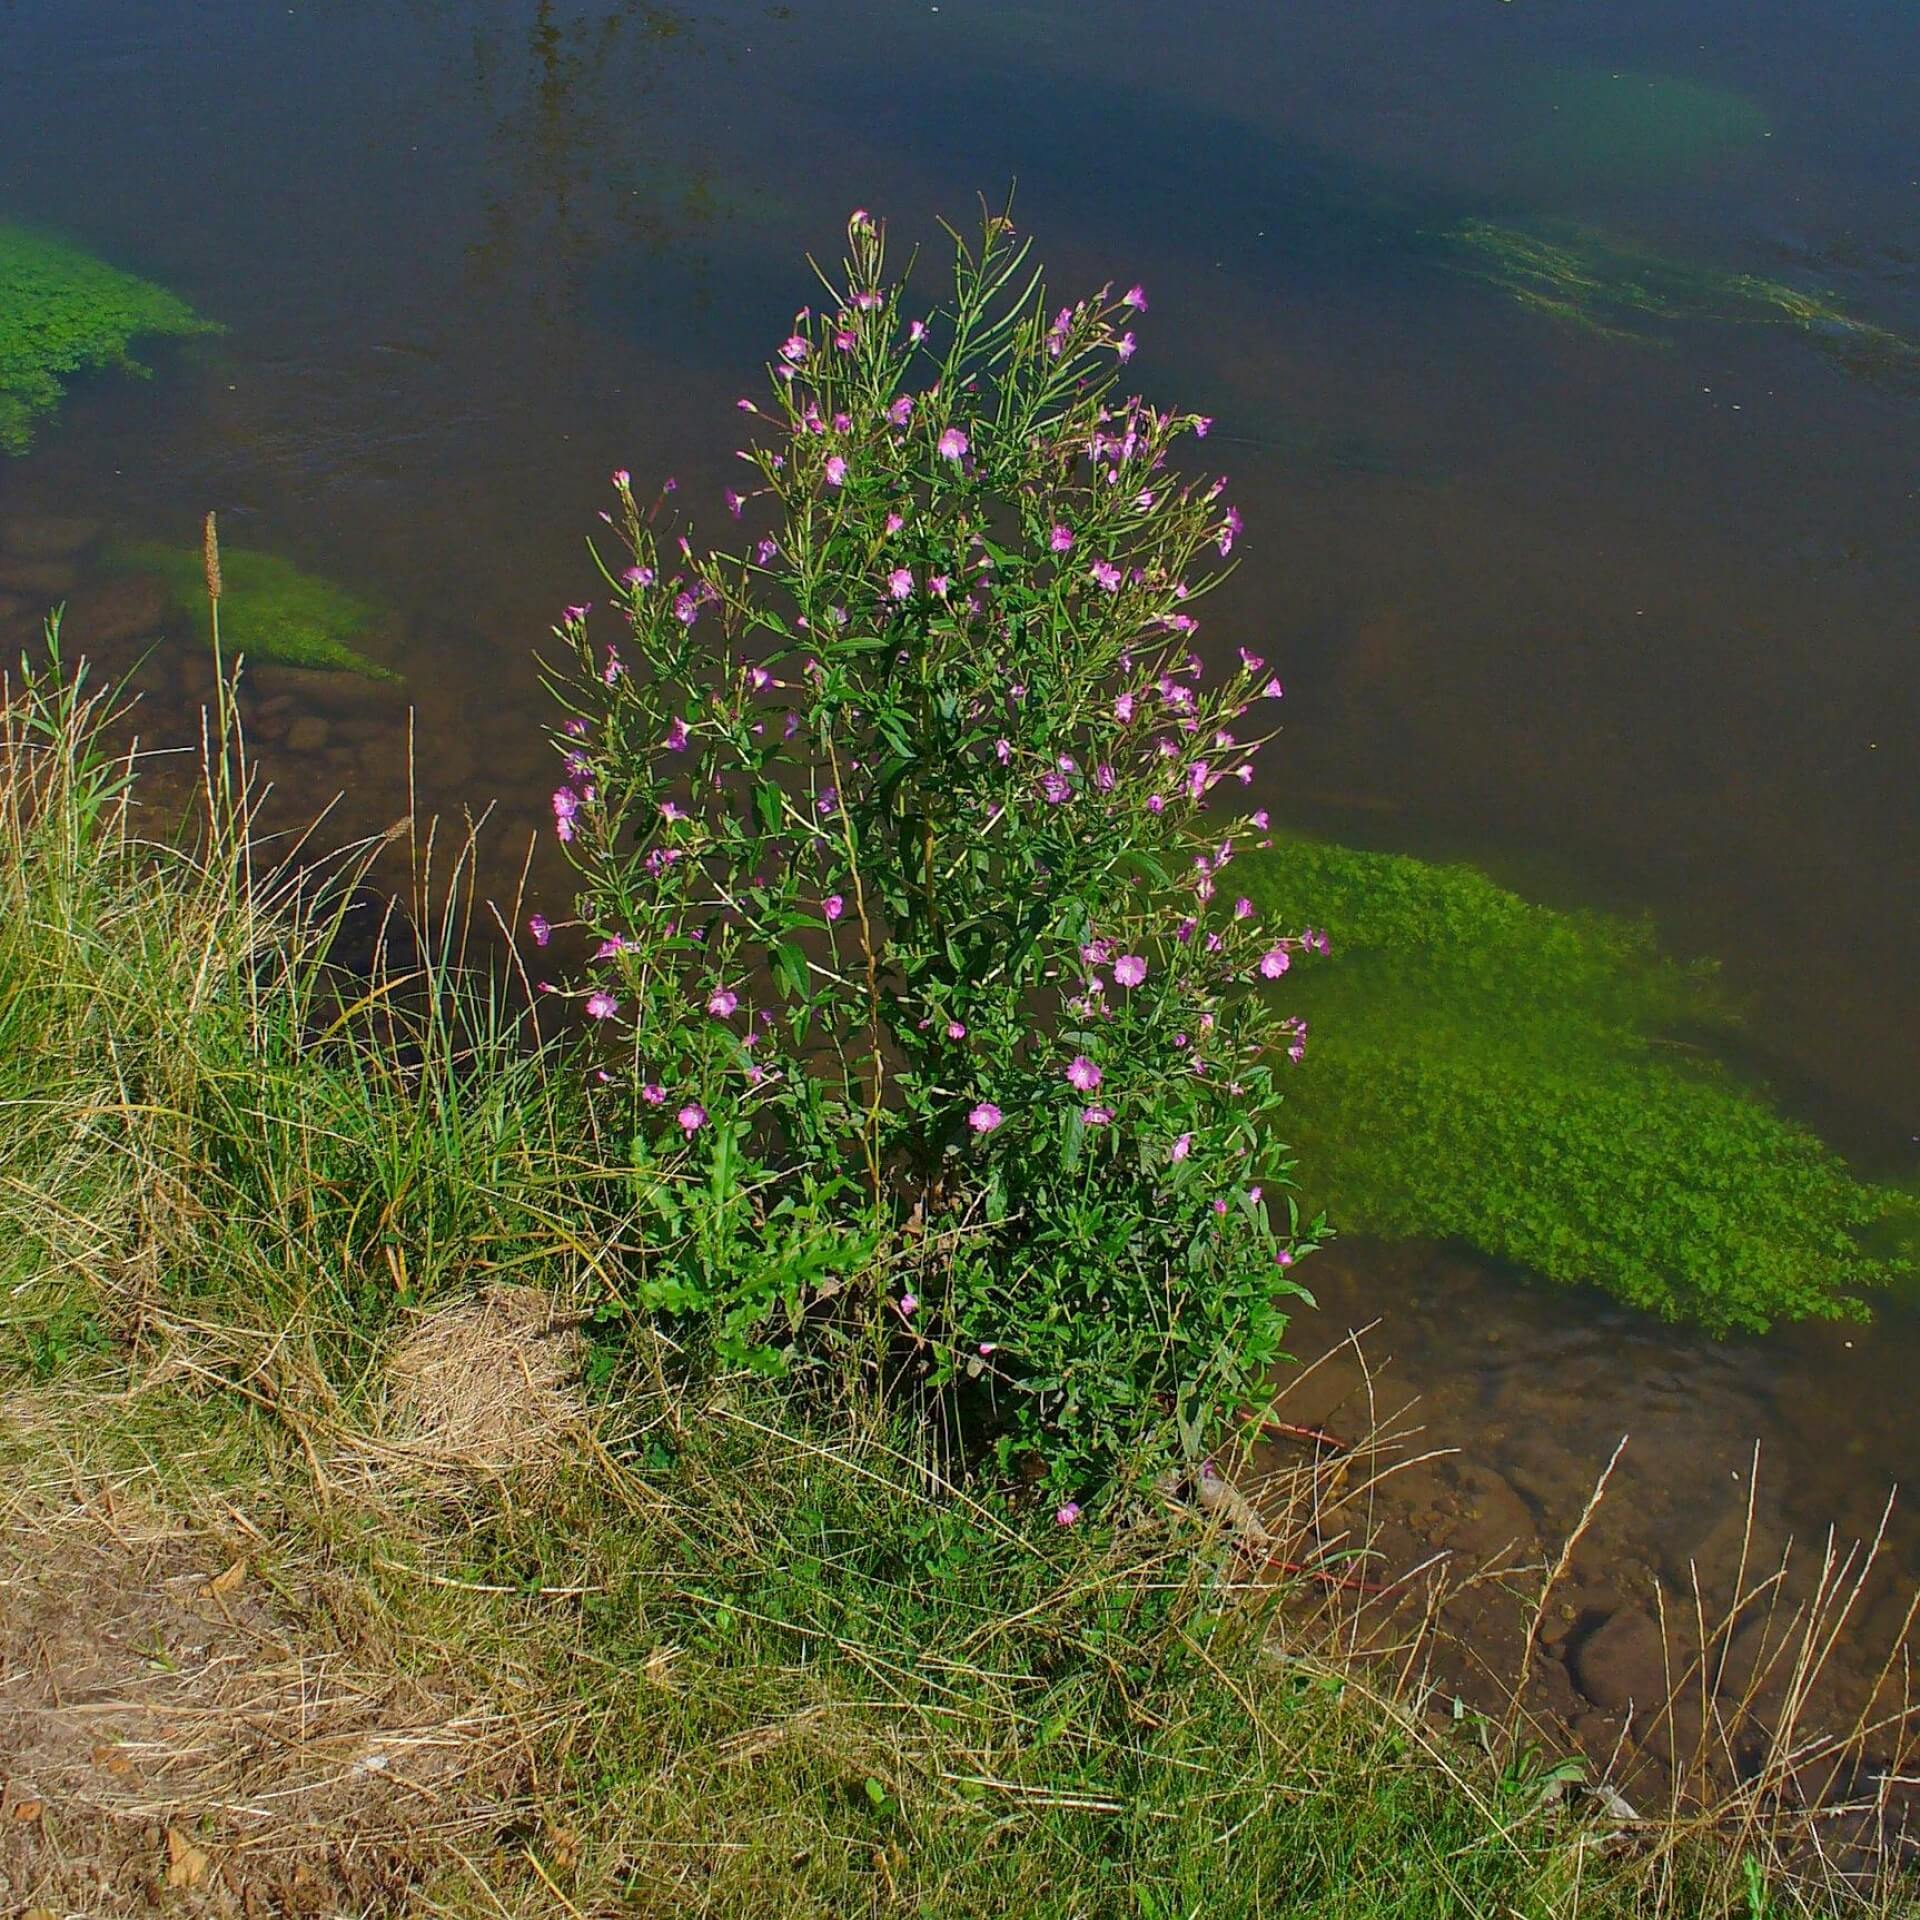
(359, 1550)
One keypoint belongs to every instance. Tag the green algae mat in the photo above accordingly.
(62, 311)
(270, 611)
(1545, 1086)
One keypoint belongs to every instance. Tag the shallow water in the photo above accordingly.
(1627, 617)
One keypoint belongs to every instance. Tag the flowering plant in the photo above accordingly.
(904, 839)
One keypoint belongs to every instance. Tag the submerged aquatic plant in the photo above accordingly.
(1600, 125)
(1591, 280)
(270, 610)
(61, 311)
(1533, 1082)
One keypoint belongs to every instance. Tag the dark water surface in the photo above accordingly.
(1630, 620)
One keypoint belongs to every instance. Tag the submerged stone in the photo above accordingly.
(47, 536)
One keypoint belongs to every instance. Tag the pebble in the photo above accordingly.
(1623, 1662)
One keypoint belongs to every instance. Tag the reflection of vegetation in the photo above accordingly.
(1488, 1070)
(1592, 281)
(269, 609)
(1633, 128)
(62, 310)
(580, 83)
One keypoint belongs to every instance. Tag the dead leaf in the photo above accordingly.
(186, 1864)
(226, 1582)
(112, 1759)
(28, 1809)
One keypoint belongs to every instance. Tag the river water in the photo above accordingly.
(1626, 612)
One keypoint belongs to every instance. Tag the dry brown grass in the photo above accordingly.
(481, 1393)
(194, 1718)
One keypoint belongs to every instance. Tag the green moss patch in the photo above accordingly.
(1542, 1085)
(270, 610)
(1590, 280)
(63, 311)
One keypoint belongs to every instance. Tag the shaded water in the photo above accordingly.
(1625, 613)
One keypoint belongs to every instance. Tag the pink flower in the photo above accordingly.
(1181, 1147)
(735, 501)
(1123, 707)
(953, 444)
(1082, 1075)
(985, 1117)
(1273, 690)
(1197, 778)
(956, 1029)
(901, 411)
(602, 1005)
(909, 1306)
(621, 477)
(900, 583)
(794, 349)
(540, 927)
(677, 735)
(692, 1117)
(1274, 962)
(1243, 909)
(1057, 788)
(1202, 425)
(1259, 817)
(836, 472)
(1003, 750)
(1230, 532)
(1067, 1515)
(611, 949)
(722, 1002)
(1129, 970)
(1136, 298)
(833, 906)
(653, 1093)
(1124, 350)
(1096, 1116)
(1106, 575)
(1060, 540)
(846, 340)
